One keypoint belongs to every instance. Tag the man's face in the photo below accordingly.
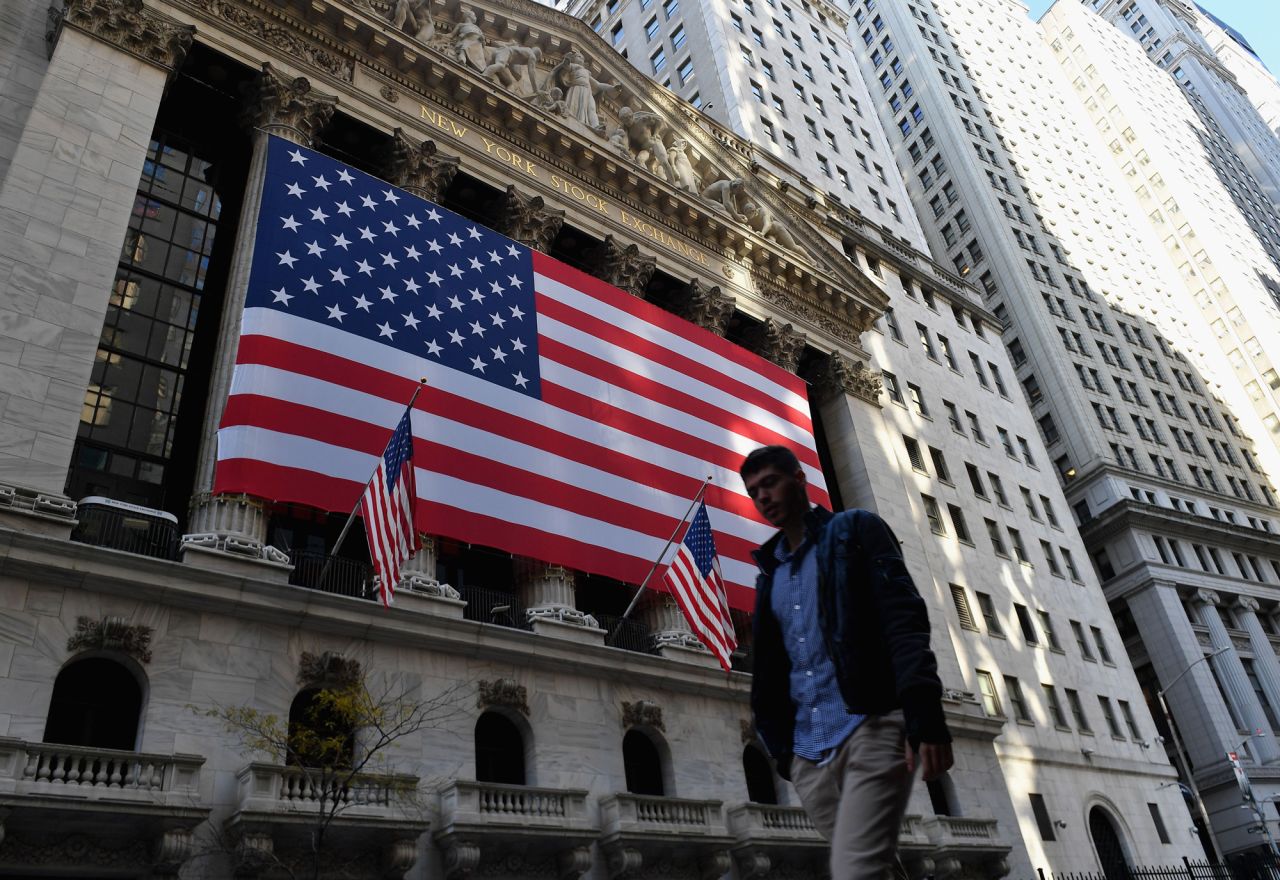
(781, 497)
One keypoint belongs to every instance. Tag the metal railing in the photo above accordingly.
(127, 530)
(346, 577)
(493, 606)
(1246, 866)
(629, 634)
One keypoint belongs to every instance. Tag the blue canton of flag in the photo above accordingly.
(345, 249)
(701, 542)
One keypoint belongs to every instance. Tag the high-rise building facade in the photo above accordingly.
(1216, 226)
(1167, 488)
(135, 600)
(1235, 88)
(974, 482)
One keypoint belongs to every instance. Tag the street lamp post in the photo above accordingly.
(1182, 757)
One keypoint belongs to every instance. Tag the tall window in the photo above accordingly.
(96, 702)
(319, 734)
(131, 405)
(760, 786)
(643, 764)
(499, 750)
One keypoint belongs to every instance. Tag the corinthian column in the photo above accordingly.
(528, 220)
(420, 169)
(708, 306)
(1234, 679)
(670, 630)
(1264, 655)
(623, 266)
(64, 209)
(547, 593)
(220, 534)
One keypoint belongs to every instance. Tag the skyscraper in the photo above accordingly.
(1216, 62)
(1166, 487)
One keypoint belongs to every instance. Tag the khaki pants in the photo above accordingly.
(858, 798)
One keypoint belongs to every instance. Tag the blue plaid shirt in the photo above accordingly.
(822, 721)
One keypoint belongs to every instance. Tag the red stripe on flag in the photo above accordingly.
(651, 314)
(650, 350)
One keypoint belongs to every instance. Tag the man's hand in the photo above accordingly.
(935, 759)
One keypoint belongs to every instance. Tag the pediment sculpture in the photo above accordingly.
(569, 88)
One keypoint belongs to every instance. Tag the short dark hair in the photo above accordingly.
(779, 457)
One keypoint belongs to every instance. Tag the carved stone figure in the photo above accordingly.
(683, 175)
(761, 219)
(551, 100)
(644, 136)
(467, 41)
(413, 17)
(580, 89)
(508, 61)
(724, 194)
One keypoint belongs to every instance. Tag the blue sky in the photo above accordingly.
(1258, 20)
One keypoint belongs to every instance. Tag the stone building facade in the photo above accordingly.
(132, 598)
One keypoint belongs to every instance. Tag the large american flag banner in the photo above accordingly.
(693, 578)
(562, 418)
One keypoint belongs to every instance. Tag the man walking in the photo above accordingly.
(845, 690)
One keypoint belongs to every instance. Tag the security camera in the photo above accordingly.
(1086, 751)
(1158, 739)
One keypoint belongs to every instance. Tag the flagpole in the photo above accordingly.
(342, 536)
(645, 583)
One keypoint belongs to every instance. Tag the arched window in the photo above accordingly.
(320, 733)
(96, 702)
(643, 764)
(499, 750)
(760, 787)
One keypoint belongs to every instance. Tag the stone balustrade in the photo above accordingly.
(273, 787)
(770, 822)
(93, 772)
(644, 814)
(466, 802)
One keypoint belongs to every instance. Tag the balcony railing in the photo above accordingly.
(638, 810)
(493, 606)
(771, 822)
(346, 577)
(109, 771)
(628, 634)
(491, 803)
(105, 522)
(273, 785)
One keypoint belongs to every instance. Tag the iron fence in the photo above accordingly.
(133, 530)
(1247, 866)
(493, 606)
(346, 577)
(628, 634)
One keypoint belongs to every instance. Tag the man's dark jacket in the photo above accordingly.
(874, 625)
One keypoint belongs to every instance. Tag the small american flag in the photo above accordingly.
(693, 577)
(388, 510)
(562, 419)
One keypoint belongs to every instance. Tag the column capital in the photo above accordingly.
(1206, 597)
(780, 343)
(287, 107)
(623, 266)
(708, 306)
(838, 374)
(129, 25)
(1248, 603)
(528, 220)
(419, 168)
